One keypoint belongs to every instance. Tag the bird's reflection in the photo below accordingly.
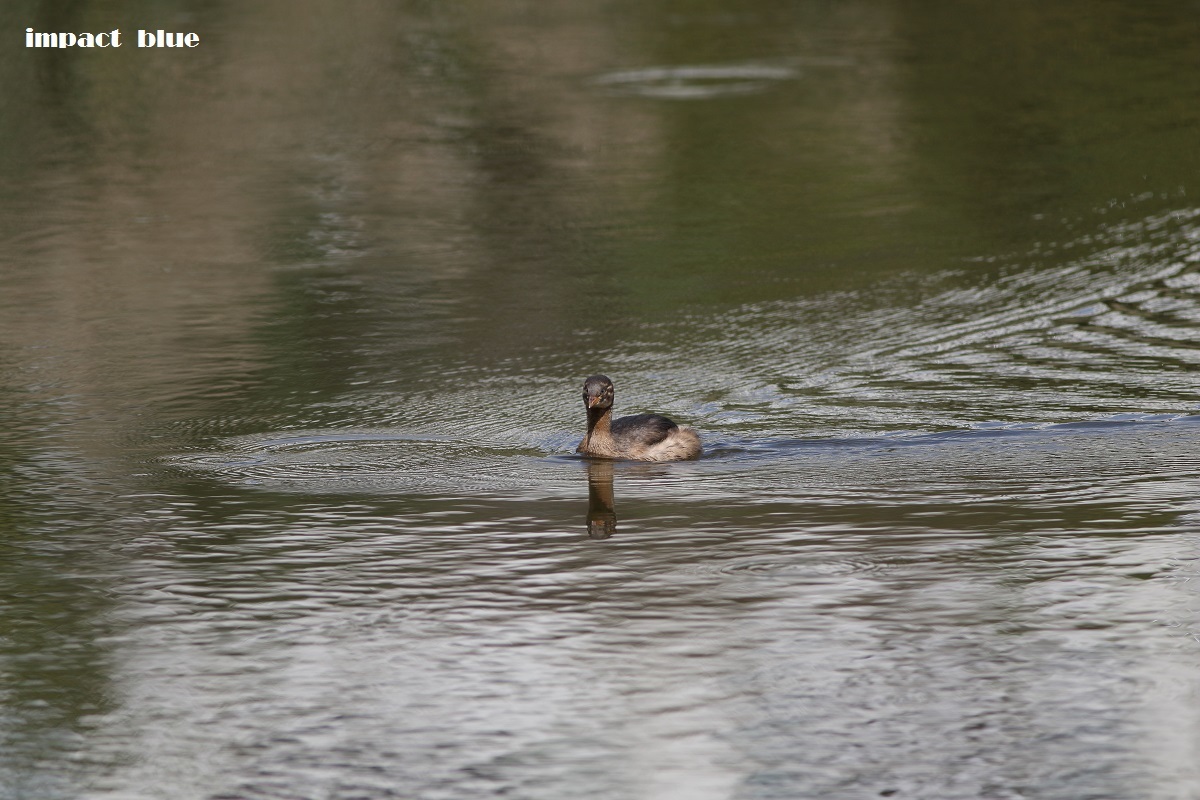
(601, 517)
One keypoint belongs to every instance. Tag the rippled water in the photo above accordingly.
(291, 337)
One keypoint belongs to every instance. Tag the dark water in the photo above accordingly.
(292, 329)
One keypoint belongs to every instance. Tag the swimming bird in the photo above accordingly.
(641, 437)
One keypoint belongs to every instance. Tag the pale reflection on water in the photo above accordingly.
(291, 331)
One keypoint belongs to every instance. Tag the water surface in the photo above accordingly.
(292, 329)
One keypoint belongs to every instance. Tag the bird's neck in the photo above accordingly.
(599, 422)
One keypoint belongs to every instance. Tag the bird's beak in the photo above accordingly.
(593, 400)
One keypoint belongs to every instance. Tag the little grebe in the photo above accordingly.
(642, 437)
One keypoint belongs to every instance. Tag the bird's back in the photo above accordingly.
(641, 430)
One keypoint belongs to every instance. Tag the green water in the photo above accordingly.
(292, 330)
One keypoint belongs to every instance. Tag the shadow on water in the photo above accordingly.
(601, 512)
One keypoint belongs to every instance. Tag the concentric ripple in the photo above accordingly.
(694, 82)
(377, 461)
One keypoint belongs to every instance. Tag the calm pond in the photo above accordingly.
(293, 326)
